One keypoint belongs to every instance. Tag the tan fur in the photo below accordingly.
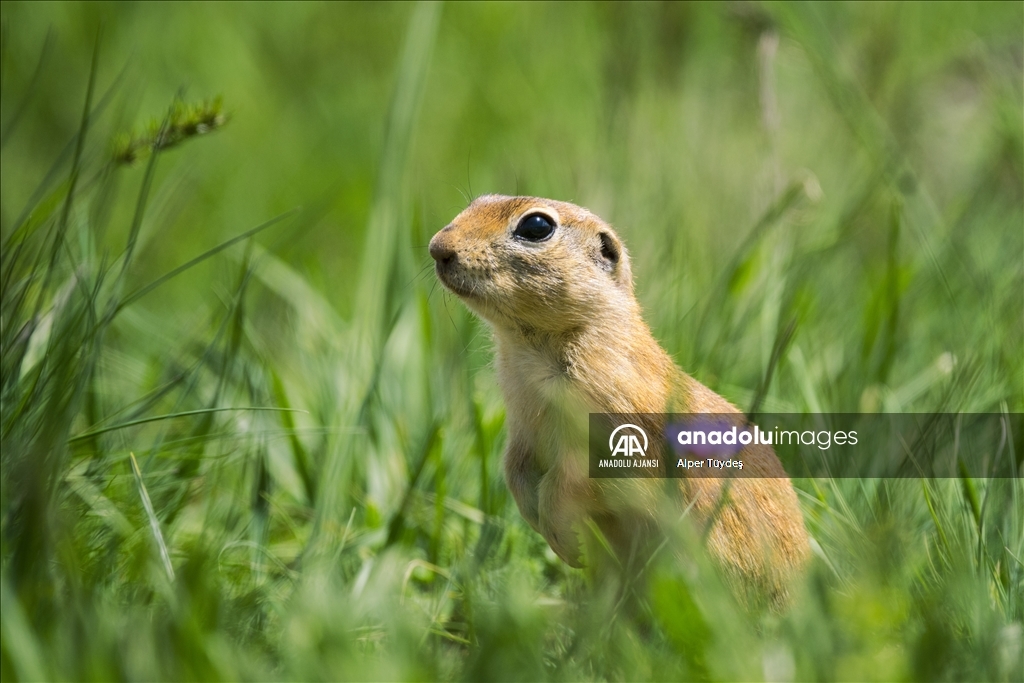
(570, 340)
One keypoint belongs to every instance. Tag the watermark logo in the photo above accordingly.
(628, 444)
(831, 445)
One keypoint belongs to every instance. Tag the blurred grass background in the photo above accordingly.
(824, 203)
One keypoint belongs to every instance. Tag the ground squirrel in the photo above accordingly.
(553, 280)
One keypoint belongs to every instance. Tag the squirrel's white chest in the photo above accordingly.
(545, 404)
(533, 378)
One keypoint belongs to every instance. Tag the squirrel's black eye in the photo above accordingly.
(535, 228)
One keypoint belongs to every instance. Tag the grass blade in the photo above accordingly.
(29, 91)
(154, 523)
(379, 256)
(19, 640)
(143, 291)
(186, 413)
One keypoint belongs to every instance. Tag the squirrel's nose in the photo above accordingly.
(441, 251)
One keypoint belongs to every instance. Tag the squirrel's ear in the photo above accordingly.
(614, 259)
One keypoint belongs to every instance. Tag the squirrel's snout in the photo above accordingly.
(441, 251)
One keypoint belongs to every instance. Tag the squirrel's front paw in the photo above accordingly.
(564, 541)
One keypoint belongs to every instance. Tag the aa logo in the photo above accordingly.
(628, 443)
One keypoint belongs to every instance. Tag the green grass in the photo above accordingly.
(246, 436)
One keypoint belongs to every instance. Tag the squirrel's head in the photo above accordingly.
(531, 264)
